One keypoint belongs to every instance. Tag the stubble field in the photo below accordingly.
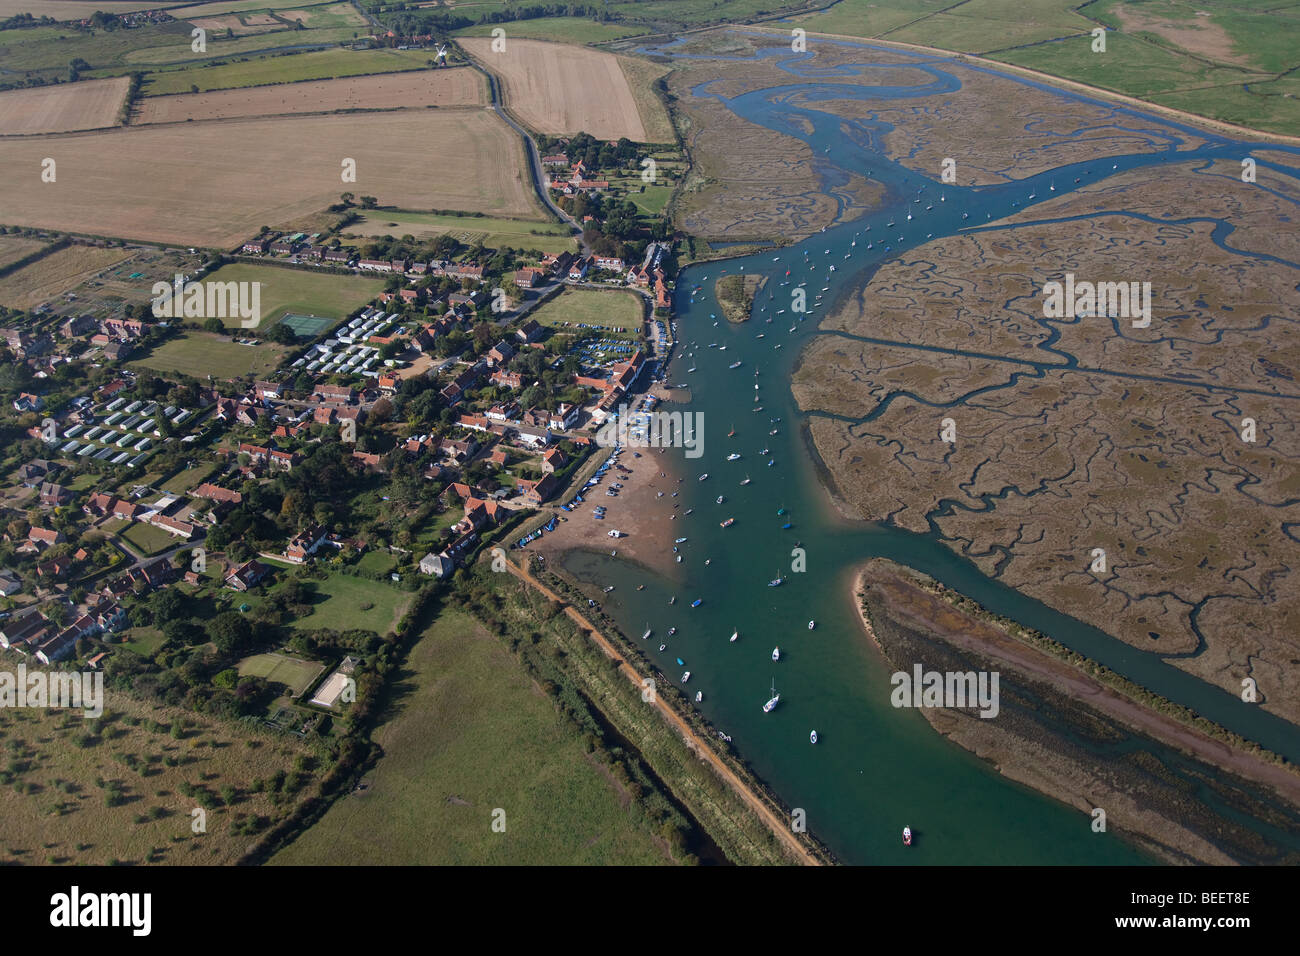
(214, 184)
(92, 104)
(451, 87)
(557, 89)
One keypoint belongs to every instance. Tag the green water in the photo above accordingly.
(876, 769)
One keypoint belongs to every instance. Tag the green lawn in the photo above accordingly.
(144, 641)
(493, 233)
(147, 539)
(299, 290)
(286, 68)
(470, 734)
(296, 674)
(343, 602)
(574, 308)
(201, 354)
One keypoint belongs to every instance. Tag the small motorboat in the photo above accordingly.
(776, 653)
(787, 526)
(811, 625)
(673, 599)
(648, 632)
(609, 588)
(728, 523)
(697, 602)
(812, 737)
(663, 647)
(672, 631)
(699, 696)
(734, 634)
(907, 836)
(703, 476)
(720, 499)
(733, 456)
(686, 677)
(680, 662)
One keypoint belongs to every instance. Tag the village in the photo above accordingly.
(456, 409)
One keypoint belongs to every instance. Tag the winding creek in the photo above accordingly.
(875, 768)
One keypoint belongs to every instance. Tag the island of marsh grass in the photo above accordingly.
(490, 231)
(298, 290)
(735, 295)
(122, 788)
(469, 731)
(200, 354)
(282, 68)
(615, 312)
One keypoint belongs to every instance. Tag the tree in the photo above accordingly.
(214, 325)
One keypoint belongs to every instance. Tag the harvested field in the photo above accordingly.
(239, 25)
(90, 104)
(457, 87)
(13, 248)
(70, 9)
(554, 88)
(213, 184)
(55, 274)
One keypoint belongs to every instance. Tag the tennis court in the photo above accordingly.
(306, 326)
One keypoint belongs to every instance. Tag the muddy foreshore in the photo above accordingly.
(1166, 786)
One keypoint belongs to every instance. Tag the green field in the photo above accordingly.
(573, 308)
(562, 29)
(493, 233)
(147, 539)
(297, 290)
(296, 674)
(284, 68)
(342, 602)
(473, 733)
(63, 768)
(236, 6)
(201, 354)
(1191, 56)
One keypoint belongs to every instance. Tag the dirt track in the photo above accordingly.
(775, 823)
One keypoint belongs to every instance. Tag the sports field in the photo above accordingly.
(299, 290)
(296, 674)
(493, 233)
(473, 734)
(199, 184)
(201, 354)
(92, 104)
(283, 68)
(306, 326)
(555, 88)
(588, 310)
(449, 87)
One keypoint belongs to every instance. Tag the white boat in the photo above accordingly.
(772, 701)
(703, 476)
(648, 632)
(734, 634)
(811, 625)
(720, 499)
(747, 480)
(776, 581)
(663, 647)
(776, 653)
(812, 737)
(699, 696)
(673, 599)
(733, 456)
(907, 836)
(686, 677)
(672, 631)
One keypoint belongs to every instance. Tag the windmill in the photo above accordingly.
(441, 58)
